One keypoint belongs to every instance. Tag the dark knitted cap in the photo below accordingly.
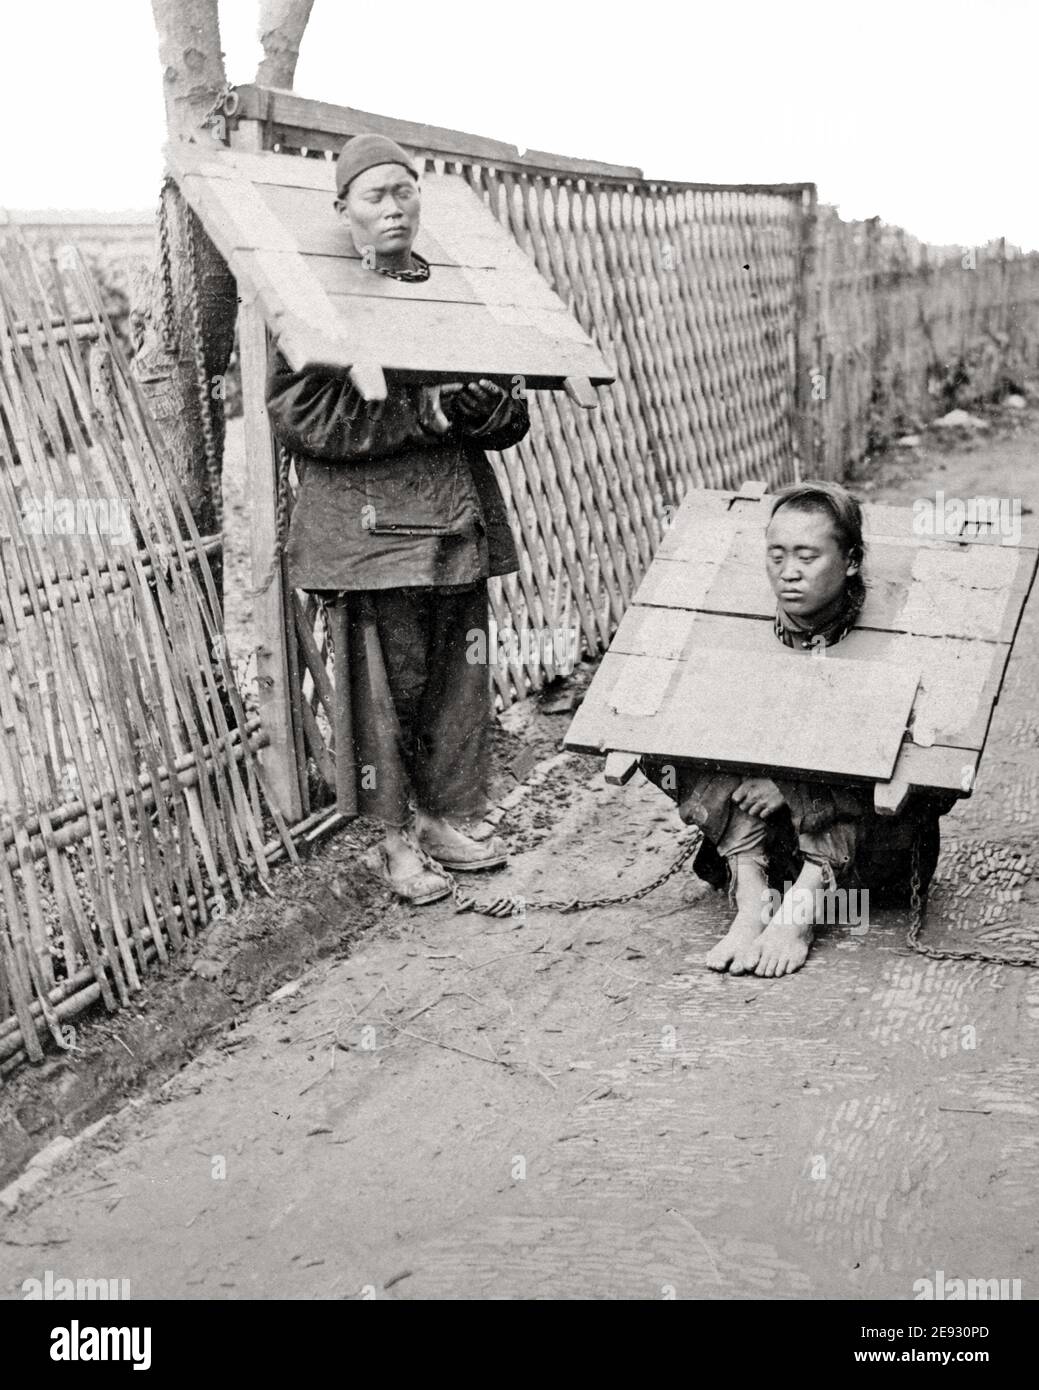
(365, 152)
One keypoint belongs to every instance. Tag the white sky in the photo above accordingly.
(921, 111)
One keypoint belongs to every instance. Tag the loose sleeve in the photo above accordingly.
(321, 415)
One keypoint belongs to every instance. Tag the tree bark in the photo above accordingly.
(282, 23)
(193, 78)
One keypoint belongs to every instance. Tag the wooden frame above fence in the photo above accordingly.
(289, 120)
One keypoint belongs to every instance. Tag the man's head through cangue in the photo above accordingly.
(814, 551)
(379, 196)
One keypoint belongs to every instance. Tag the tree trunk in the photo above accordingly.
(282, 23)
(193, 78)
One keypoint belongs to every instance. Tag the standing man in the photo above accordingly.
(399, 508)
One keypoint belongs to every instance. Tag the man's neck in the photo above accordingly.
(394, 260)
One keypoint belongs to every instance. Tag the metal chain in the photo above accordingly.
(281, 520)
(168, 326)
(510, 905)
(225, 104)
(515, 905)
(198, 350)
(918, 910)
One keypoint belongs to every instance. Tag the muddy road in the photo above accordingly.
(571, 1106)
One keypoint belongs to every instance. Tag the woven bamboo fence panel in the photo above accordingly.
(843, 309)
(693, 295)
(903, 331)
(130, 803)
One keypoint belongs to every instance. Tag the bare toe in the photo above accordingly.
(747, 959)
(718, 957)
(725, 954)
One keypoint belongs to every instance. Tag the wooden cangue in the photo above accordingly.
(485, 311)
(696, 674)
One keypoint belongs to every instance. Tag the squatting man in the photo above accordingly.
(783, 848)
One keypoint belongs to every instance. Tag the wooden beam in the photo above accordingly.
(752, 487)
(581, 392)
(620, 768)
(278, 759)
(280, 108)
(289, 119)
(345, 756)
(246, 135)
(890, 797)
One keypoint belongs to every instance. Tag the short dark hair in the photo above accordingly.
(845, 512)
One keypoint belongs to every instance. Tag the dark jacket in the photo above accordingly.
(386, 501)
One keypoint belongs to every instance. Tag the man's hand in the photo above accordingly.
(474, 402)
(758, 796)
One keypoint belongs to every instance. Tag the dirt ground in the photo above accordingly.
(570, 1106)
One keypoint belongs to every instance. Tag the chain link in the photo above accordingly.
(198, 350)
(221, 100)
(169, 331)
(281, 521)
(168, 325)
(516, 905)
(918, 911)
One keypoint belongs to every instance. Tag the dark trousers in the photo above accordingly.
(421, 702)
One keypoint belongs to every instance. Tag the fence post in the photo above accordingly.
(876, 323)
(1006, 344)
(273, 634)
(806, 331)
(247, 135)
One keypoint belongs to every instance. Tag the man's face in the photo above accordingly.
(383, 208)
(805, 564)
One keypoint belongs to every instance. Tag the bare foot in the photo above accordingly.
(739, 938)
(751, 892)
(783, 946)
(781, 949)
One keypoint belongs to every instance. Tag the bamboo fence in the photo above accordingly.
(131, 806)
(904, 331)
(693, 294)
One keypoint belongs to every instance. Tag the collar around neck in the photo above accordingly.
(419, 269)
(826, 628)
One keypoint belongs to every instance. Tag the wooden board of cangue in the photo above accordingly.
(696, 674)
(485, 311)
